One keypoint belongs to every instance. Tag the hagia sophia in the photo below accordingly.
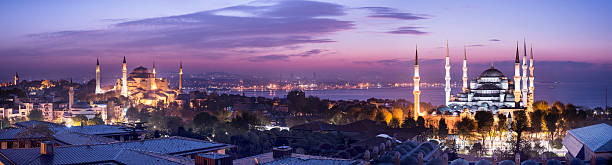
(142, 86)
(490, 91)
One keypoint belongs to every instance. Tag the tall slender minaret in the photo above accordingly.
(70, 97)
(417, 91)
(531, 79)
(124, 91)
(16, 79)
(153, 79)
(517, 79)
(465, 77)
(180, 88)
(447, 77)
(524, 83)
(98, 89)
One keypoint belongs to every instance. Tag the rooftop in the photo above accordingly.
(596, 137)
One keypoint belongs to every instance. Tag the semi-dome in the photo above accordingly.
(492, 73)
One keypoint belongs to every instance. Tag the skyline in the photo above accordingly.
(352, 39)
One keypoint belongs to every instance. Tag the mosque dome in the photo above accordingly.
(81, 105)
(492, 73)
(140, 69)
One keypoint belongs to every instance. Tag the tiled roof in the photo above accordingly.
(174, 145)
(151, 151)
(84, 154)
(12, 133)
(100, 129)
(311, 161)
(32, 123)
(73, 138)
(597, 137)
(299, 159)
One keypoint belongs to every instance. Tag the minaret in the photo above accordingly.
(70, 97)
(465, 77)
(16, 79)
(517, 79)
(153, 79)
(124, 91)
(416, 92)
(154, 69)
(531, 86)
(524, 83)
(98, 89)
(180, 88)
(447, 77)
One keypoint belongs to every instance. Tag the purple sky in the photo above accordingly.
(346, 39)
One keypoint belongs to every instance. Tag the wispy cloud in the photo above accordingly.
(494, 40)
(387, 12)
(285, 57)
(211, 33)
(408, 30)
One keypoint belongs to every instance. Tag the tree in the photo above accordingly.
(420, 121)
(541, 105)
(519, 125)
(296, 101)
(41, 130)
(36, 115)
(246, 121)
(95, 121)
(465, 127)
(536, 120)
(408, 123)
(132, 114)
(79, 120)
(484, 121)
(204, 120)
(173, 124)
(569, 114)
(502, 125)
(442, 128)
(395, 123)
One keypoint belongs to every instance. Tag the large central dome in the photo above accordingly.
(492, 73)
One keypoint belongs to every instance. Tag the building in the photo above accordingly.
(283, 155)
(143, 86)
(170, 150)
(589, 142)
(93, 134)
(492, 90)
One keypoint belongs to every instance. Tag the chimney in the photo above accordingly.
(445, 159)
(517, 159)
(212, 159)
(396, 158)
(420, 158)
(281, 152)
(46, 148)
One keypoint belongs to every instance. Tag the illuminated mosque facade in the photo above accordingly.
(142, 86)
(491, 90)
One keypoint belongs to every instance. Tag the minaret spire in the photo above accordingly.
(153, 79)
(517, 79)
(465, 77)
(416, 92)
(524, 78)
(180, 77)
(531, 79)
(16, 79)
(124, 91)
(98, 89)
(447, 77)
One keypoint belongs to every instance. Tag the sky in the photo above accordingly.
(343, 39)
